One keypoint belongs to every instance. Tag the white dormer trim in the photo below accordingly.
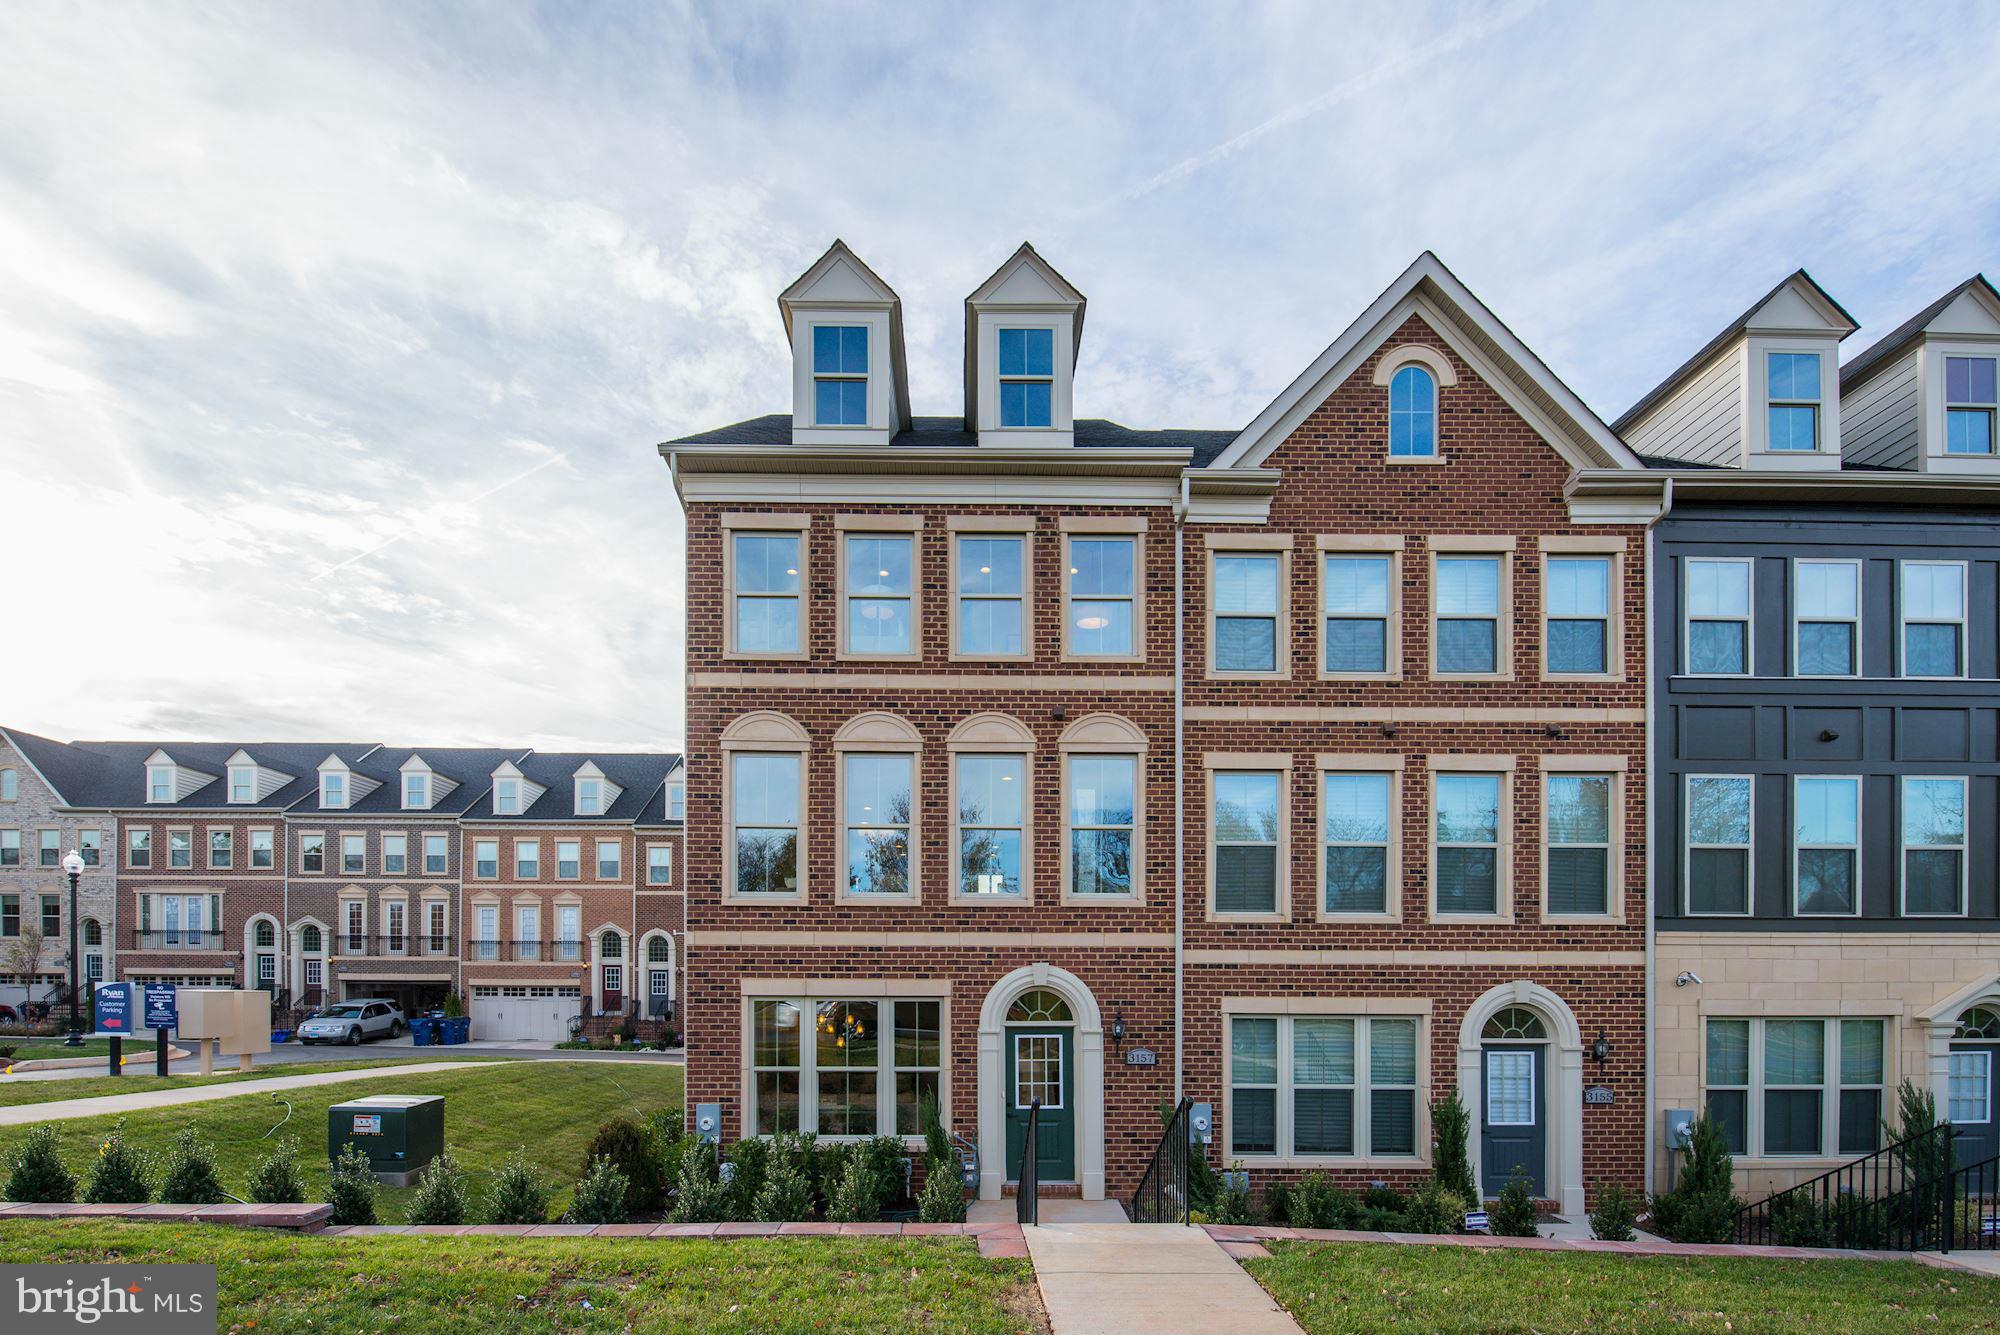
(438, 786)
(1797, 317)
(838, 289)
(264, 780)
(353, 785)
(608, 792)
(1969, 326)
(527, 791)
(183, 781)
(1023, 293)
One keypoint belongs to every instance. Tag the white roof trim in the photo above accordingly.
(1428, 277)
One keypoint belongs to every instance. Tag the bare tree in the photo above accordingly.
(23, 956)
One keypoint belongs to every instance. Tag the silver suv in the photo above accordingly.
(351, 1021)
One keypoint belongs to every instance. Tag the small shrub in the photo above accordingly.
(1278, 1203)
(625, 1143)
(828, 1166)
(1451, 1127)
(121, 1175)
(517, 1194)
(1384, 1198)
(786, 1196)
(1614, 1216)
(276, 1179)
(1702, 1205)
(350, 1188)
(1231, 1204)
(699, 1198)
(1797, 1220)
(937, 1142)
(38, 1172)
(1434, 1208)
(664, 1126)
(942, 1200)
(857, 1199)
(1315, 1202)
(1513, 1214)
(190, 1177)
(600, 1198)
(440, 1197)
(749, 1164)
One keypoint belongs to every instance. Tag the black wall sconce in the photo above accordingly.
(1600, 1048)
(1118, 1025)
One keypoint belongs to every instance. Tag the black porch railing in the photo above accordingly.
(180, 938)
(1162, 1197)
(1882, 1201)
(1028, 1191)
(1968, 1200)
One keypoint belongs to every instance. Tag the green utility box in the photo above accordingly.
(400, 1133)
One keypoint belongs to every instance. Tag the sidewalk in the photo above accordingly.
(1147, 1279)
(22, 1114)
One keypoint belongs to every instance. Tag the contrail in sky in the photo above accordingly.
(474, 500)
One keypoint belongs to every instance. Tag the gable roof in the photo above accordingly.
(119, 777)
(1884, 349)
(1730, 332)
(1574, 430)
(878, 295)
(65, 768)
(639, 774)
(466, 767)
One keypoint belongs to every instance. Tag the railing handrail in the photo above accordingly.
(1162, 1195)
(1981, 1230)
(1857, 1196)
(1028, 1188)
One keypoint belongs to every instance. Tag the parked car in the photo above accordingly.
(351, 1021)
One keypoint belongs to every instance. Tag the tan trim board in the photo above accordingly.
(972, 938)
(1389, 958)
(927, 681)
(1405, 714)
(844, 987)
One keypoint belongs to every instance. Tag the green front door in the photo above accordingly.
(1039, 1066)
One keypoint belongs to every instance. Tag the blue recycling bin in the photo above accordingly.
(423, 1031)
(461, 1028)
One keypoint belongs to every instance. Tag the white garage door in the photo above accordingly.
(537, 1013)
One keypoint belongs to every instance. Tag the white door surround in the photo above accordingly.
(1565, 1084)
(1088, 1089)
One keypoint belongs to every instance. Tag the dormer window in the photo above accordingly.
(1412, 414)
(333, 789)
(159, 783)
(1792, 391)
(589, 797)
(242, 783)
(676, 801)
(416, 792)
(840, 375)
(507, 797)
(1027, 376)
(1969, 402)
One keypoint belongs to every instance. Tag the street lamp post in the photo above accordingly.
(73, 864)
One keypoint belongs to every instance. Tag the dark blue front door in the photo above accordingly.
(1974, 1085)
(1513, 1120)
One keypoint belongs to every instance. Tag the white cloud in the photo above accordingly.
(408, 293)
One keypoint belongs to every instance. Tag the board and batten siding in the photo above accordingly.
(1878, 421)
(1702, 422)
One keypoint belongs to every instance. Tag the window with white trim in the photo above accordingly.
(354, 916)
(507, 796)
(849, 1077)
(1934, 843)
(1466, 842)
(437, 916)
(1466, 624)
(486, 859)
(437, 854)
(1027, 376)
(1826, 845)
(353, 854)
(50, 848)
(1717, 818)
(1354, 830)
(159, 783)
(1800, 1088)
(487, 945)
(1576, 833)
(1245, 615)
(1102, 807)
(992, 595)
(416, 791)
(1412, 414)
(527, 859)
(180, 848)
(333, 789)
(1826, 618)
(840, 375)
(90, 846)
(1792, 394)
(138, 848)
(1355, 598)
(610, 859)
(395, 854)
(764, 810)
(1103, 585)
(1247, 836)
(221, 848)
(590, 797)
(263, 850)
(1933, 616)
(1576, 614)
(659, 864)
(10, 785)
(10, 848)
(1313, 1086)
(992, 804)
(312, 852)
(879, 584)
(569, 859)
(1717, 618)
(242, 783)
(1969, 402)
(765, 592)
(876, 814)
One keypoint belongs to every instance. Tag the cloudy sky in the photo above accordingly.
(335, 339)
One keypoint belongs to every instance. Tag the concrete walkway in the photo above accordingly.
(22, 1114)
(1147, 1279)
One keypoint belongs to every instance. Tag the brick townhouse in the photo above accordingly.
(1035, 758)
(329, 871)
(36, 831)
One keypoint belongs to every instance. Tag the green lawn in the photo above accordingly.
(484, 1286)
(137, 1079)
(550, 1109)
(41, 1049)
(1337, 1288)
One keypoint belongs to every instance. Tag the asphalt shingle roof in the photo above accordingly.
(949, 433)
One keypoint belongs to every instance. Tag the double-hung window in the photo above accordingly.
(1027, 376)
(52, 916)
(1792, 396)
(1718, 616)
(1969, 401)
(590, 797)
(416, 791)
(138, 848)
(312, 852)
(1100, 617)
(1934, 846)
(1247, 588)
(50, 848)
(1796, 1087)
(1466, 843)
(1576, 831)
(263, 849)
(1933, 607)
(992, 822)
(180, 848)
(507, 797)
(866, 1068)
(569, 859)
(877, 794)
(221, 848)
(1826, 844)
(1103, 816)
(395, 854)
(1247, 836)
(353, 853)
(242, 783)
(1322, 1086)
(764, 569)
(1355, 815)
(1577, 614)
(659, 864)
(1718, 843)
(486, 859)
(90, 844)
(992, 595)
(610, 859)
(1467, 622)
(764, 811)
(1826, 618)
(436, 855)
(10, 915)
(333, 789)
(10, 848)
(527, 859)
(840, 375)
(879, 584)
(1355, 598)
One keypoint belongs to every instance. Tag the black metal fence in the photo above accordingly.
(1162, 1197)
(1970, 1203)
(1891, 1200)
(1028, 1191)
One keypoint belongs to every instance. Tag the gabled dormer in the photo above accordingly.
(1925, 396)
(167, 780)
(251, 782)
(340, 786)
(849, 385)
(423, 787)
(513, 791)
(594, 792)
(1763, 394)
(1023, 327)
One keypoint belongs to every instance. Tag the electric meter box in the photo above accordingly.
(400, 1133)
